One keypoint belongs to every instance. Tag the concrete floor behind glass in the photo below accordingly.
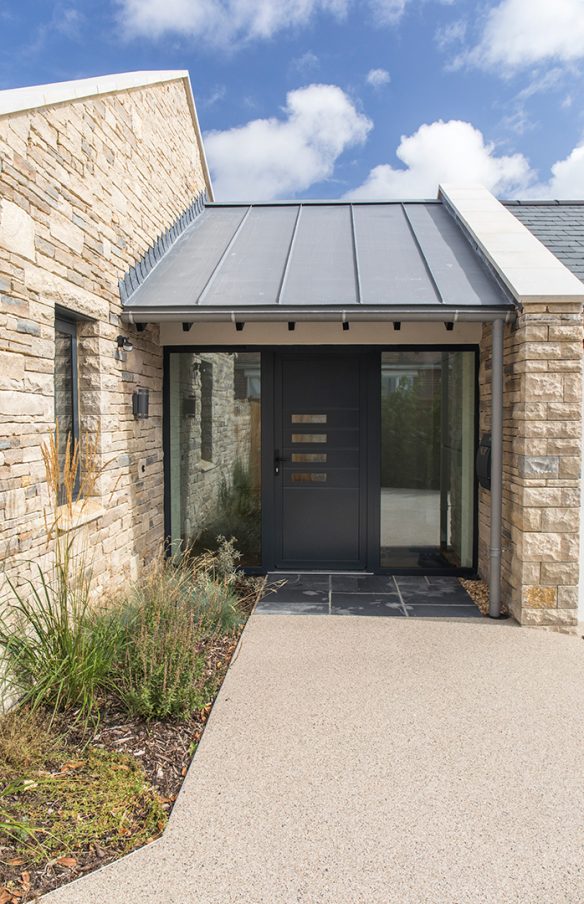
(310, 593)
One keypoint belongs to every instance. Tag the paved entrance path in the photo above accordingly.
(372, 761)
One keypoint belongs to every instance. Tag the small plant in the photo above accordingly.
(162, 627)
(55, 651)
(159, 671)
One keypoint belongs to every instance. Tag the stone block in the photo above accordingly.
(548, 547)
(65, 231)
(17, 230)
(539, 597)
(11, 370)
(560, 520)
(572, 387)
(539, 466)
(547, 387)
(547, 617)
(22, 403)
(568, 597)
(560, 572)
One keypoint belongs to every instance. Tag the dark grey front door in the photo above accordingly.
(320, 460)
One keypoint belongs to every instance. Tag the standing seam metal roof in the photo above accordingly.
(309, 254)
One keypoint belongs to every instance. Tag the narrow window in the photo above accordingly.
(66, 395)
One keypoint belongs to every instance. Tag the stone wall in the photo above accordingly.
(542, 462)
(85, 188)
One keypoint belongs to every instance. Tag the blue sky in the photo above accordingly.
(327, 98)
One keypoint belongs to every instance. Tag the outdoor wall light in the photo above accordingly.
(449, 326)
(186, 327)
(124, 344)
(345, 325)
(140, 400)
(397, 326)
(291, 326)
(239, 325)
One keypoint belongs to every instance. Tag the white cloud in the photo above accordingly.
(377, 78)
(221, 21)
(272, 158)
(451, 151)
(567, 179)
(387, 12)
(305, 63)
(520, 33)
(453, 33)
(230, 22)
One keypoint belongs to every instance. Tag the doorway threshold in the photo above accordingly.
(363, 593)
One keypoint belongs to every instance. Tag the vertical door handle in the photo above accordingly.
(278, 459)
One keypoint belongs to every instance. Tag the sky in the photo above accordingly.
(375, 99)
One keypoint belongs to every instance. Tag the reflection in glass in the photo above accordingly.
(215, 447)
(427, 453)
(65, 413)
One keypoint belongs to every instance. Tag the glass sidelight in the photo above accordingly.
(427, 459)
(215, 451)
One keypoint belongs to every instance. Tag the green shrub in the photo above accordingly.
(159, 672)
(162, 626)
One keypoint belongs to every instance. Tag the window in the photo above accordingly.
(215, 415)
(66, 392)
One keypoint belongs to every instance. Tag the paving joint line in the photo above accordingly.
(401, 599)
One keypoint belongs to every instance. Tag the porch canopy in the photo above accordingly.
(315, 261)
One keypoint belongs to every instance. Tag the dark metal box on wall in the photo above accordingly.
(483, 462)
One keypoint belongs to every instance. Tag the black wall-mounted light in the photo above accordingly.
(345, 325)
(239, 325)
(291, 325)
(186, 327)
(140, 400)
(397, 325)
(449, 325)
(124, 344)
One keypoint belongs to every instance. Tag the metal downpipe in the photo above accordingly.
(496, 469)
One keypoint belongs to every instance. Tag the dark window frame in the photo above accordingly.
(68, 326)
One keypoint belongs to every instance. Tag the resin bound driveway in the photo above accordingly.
(369, 759)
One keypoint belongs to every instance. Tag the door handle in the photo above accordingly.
(278, 459)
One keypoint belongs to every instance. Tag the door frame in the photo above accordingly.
(268, 354)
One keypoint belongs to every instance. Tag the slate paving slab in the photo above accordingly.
(306, 593)
(366, 604)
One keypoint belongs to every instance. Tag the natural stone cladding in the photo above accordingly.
(542, 456)
(85, 188)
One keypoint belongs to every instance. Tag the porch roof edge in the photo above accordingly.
(354, 313)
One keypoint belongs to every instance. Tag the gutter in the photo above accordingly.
(301, 314)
